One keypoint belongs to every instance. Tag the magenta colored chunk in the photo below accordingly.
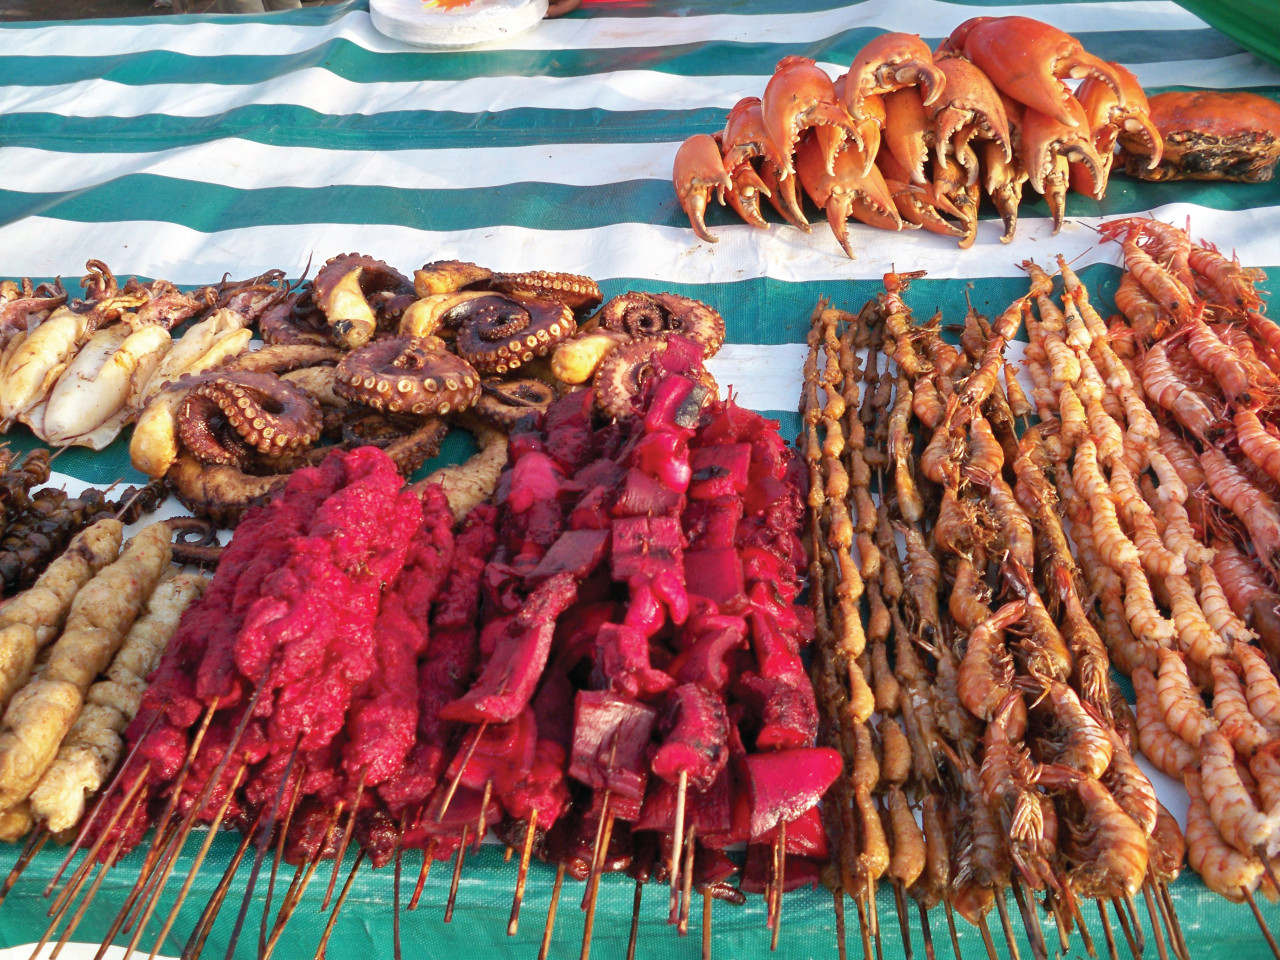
(782, 784)
(610, 742)
(719, 471)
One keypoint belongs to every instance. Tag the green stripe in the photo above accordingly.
(293, 126)
(353, 62)
(209, 207)
(312, 16)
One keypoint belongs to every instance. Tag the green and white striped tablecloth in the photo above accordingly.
(191, 147)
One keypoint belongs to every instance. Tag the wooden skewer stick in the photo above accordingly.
(874, 917)
(89, 821)
(337, 907)
(951, 928)
(395, 889)
(1164, 900)
(706, 922)
(73, 886)
(298, 889)
(686, 892)
(1030, 923)
(1074, 906)
(904, 923)
(1106, 931)
(522, 874)
(863, 924)
(76, 917)
(1003, 909)
(779, 883)
(345, 842)
(545, 949)
(1061, 923)
(1135, 938)
(837, 904)
(457, 777)
(1262, 923)
(457, 875)
(279, 855)
(926, 932)
(635, 920)
(682, 787)
(507, 853)
(987, 940)
(593, 885)
(428, 855)
(595, 849)
(35, 843)
(195, 943)
(264, 840)
(482, 825)
(1155, 921)
(191, 874)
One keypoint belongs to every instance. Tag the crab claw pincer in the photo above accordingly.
(969, 106)
(798, 96)
(1110, 116)
(1026, 59)
(1047, 148)
(741, 143)
(890, 62)
(699, 170)
(846, 192)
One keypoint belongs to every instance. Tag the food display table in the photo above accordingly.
(192, 147)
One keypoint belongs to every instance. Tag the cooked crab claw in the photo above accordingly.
(699, 171)
(744, 134)
(784, 195)
(955, 42)
(1003, 184)
(890, 62)
(970, 105)
(1043, 140)
(847, 192)
(833, 139)
(1109, 116)
(741, 145)
(908, 134)
(744, 195)
(916, 204)
(954, 193)
(798, 96)
(1026, 59)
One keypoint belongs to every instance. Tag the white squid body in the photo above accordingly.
(205, 345)
(34, 362)
(90, 402)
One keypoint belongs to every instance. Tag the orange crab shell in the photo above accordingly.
(1027, 58)
(890, 62)
(1210, 135)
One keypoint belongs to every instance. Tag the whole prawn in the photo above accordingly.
(1234, 813)
(1235, 491)
(1231, 710)
(1168, 390)
(1159, 744)
(1077, 736)
(1180, 704)
(1224, 870)
(1258, 443)
(1232, 285)
(1107, 846)
(1260, 685)
(987, 669)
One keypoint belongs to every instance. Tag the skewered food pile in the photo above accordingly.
(604, 666)
(907, 138)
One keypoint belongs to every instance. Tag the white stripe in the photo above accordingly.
(763, 377)
(621, 90)
(929, 17)
(246, 165)
(43, 246)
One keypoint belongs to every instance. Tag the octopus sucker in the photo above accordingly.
(349, 289)
(268, 413)
(205, 431)
(498, 333)
(408, 375)
(655, 314)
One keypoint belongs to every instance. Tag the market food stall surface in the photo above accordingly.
(186, 148)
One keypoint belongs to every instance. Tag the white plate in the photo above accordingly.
(438, 28)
